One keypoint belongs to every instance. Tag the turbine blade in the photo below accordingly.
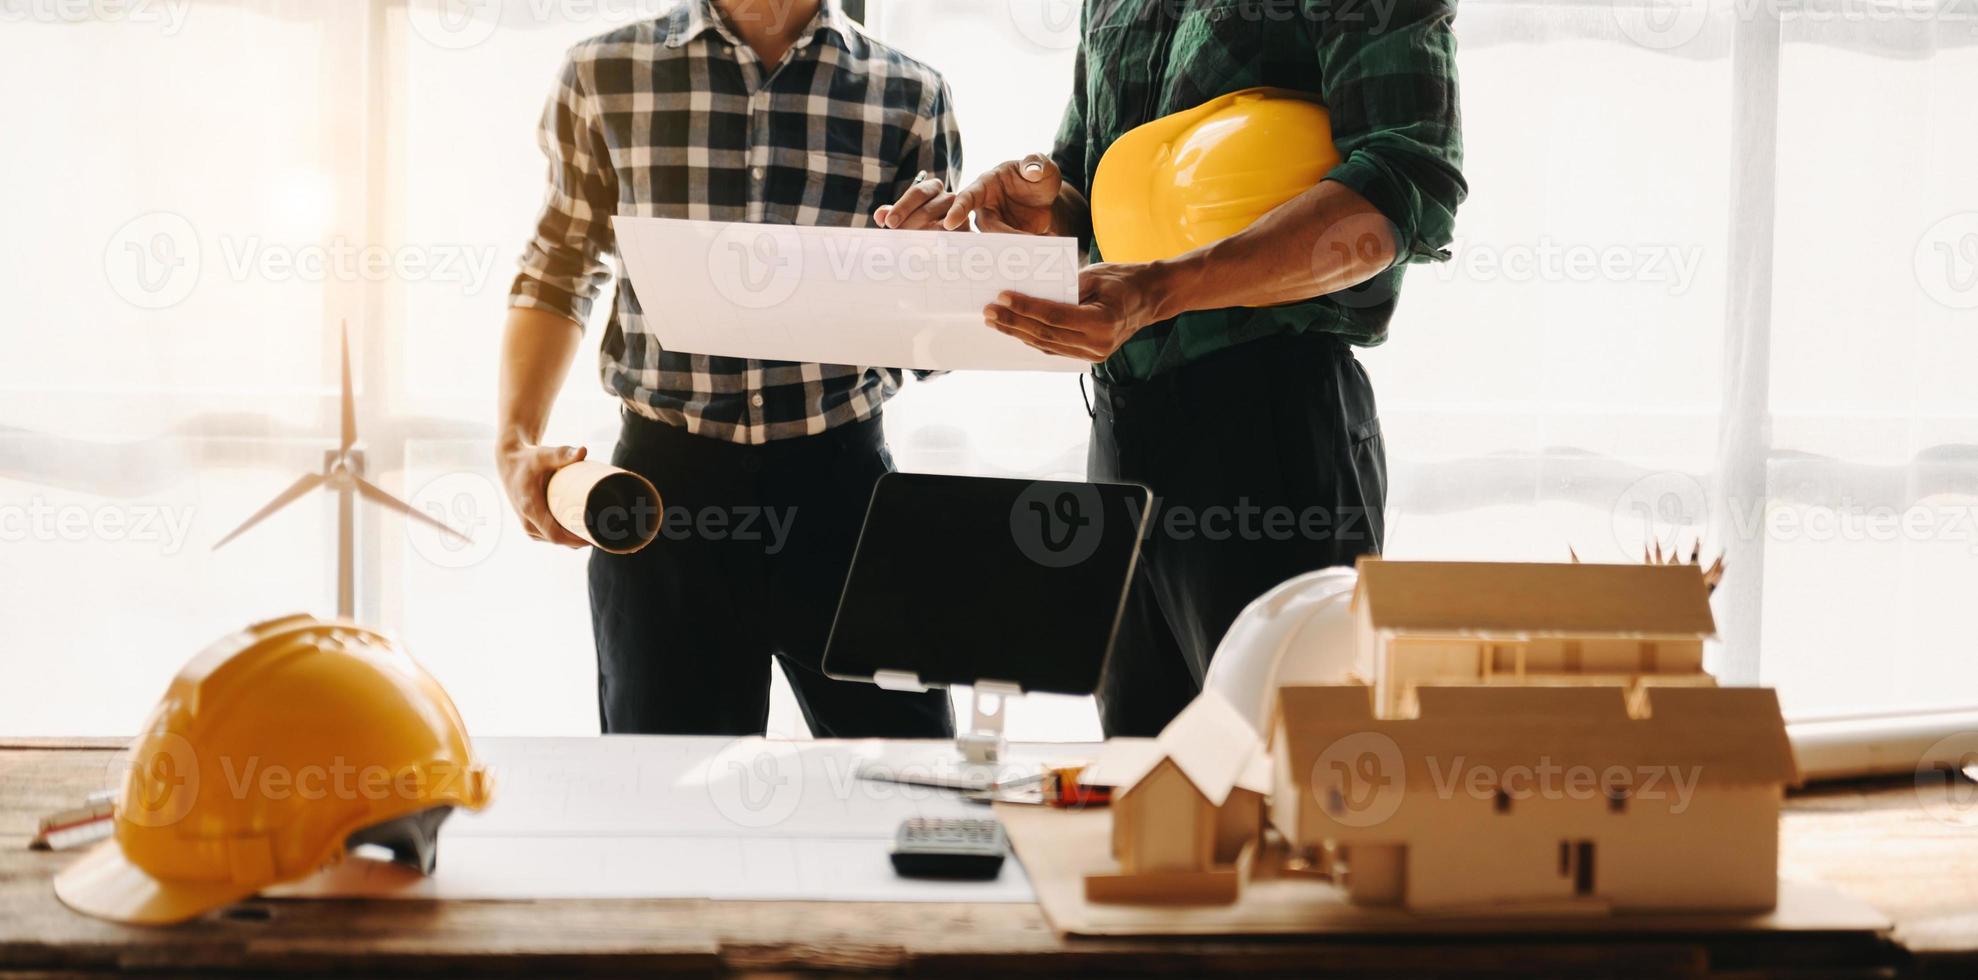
(349, 399)
(295, 490)
(378, 496)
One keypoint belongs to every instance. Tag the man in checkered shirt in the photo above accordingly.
(777, 111)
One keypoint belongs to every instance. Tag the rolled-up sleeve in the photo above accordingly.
(1390, 86)
(563, 267)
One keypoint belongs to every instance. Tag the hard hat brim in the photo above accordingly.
(103, 883)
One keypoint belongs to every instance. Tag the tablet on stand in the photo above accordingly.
(1004, 586)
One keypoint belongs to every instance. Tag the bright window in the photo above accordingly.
(1724, 281)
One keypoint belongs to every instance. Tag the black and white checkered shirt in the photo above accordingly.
(677, 118)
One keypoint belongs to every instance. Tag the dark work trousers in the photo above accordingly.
(748, 566)
(1266, 461)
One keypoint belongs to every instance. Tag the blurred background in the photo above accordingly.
(1717, 277)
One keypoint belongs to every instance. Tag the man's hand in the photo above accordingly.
(1324, 240)
(525, 473)
(1114, 303)
(1020, 196)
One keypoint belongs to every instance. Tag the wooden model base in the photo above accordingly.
(1061, 848)
(1218, 887)
(1214, 886)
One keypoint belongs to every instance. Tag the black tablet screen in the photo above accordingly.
(960, 579)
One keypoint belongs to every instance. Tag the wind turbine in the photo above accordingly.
(341, 476)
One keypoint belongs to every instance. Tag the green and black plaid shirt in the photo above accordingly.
(1386, 71)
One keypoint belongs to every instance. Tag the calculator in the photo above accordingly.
(949, 848)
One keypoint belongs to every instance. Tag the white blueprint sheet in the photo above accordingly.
(684, 817)
(859, 296)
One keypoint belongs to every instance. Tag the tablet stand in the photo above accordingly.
(981, 742)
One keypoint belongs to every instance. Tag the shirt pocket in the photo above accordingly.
(1220, 48)
(842, 189)
(1119, 79)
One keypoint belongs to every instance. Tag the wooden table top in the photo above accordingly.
(1910, 854)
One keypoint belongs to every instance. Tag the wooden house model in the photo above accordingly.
(1543, 799)
(1423, 624)
(1186, 807)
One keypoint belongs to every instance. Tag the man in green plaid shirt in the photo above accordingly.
(1225, 377)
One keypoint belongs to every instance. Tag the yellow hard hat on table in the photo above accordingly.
(274, 751)
(1197, 177)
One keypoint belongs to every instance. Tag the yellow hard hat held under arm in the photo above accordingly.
(1199, 176)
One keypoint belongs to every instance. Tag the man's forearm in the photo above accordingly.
(1322, 241)
(537, 347)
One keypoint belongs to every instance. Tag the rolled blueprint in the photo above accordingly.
(615, 510)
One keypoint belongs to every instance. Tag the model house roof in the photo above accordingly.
(1534, 598)
(1711, 735)
(1209, 742)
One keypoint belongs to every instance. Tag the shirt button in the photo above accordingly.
(756, 172)
(756, 400)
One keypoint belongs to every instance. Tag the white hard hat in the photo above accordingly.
(1300, 632)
